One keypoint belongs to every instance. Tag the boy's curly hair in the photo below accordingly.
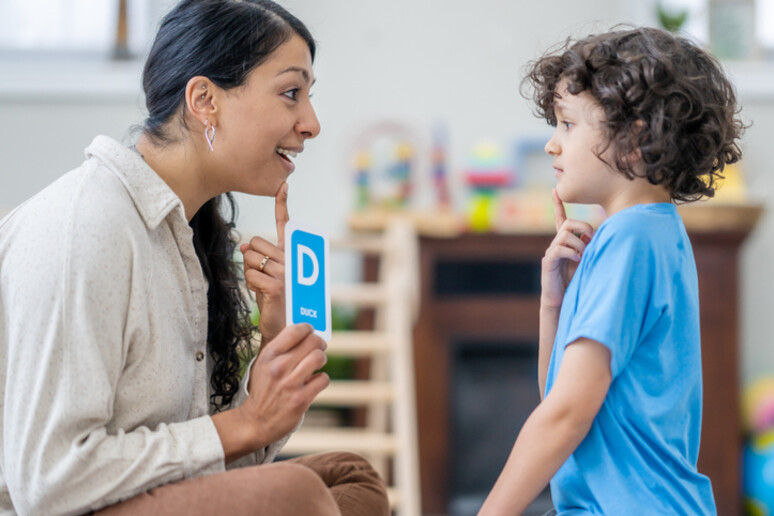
(661, 95)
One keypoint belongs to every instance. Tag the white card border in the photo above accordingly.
(290, 227)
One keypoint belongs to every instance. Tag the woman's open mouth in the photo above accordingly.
(286, 155)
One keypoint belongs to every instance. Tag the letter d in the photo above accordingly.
(312, 278)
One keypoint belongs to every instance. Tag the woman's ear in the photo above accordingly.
(200, 99)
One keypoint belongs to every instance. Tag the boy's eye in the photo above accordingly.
(567, 125)
(291, 94)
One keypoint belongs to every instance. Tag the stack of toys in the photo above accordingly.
(486, 175)
(758, 459)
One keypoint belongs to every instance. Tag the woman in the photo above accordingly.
(121, 319)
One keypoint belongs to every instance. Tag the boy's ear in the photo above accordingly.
(634, 157)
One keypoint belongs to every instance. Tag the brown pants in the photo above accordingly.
(327, 484)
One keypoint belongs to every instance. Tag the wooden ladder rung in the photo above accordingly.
(369, 295)
(355, 393)
(358, 343)
(394, 497)
(338, 439)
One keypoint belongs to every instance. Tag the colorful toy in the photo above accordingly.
(400, 173)
(731, 189)
(438, 164)
(487, 174)
(384, 166)
(362, 179)
(758, 455)
(758, 475)
(758, 406)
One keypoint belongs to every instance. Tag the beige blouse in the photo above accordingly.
(104, 371)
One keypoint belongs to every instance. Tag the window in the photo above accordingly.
(74, 40)
(732, 29)
(75, 26)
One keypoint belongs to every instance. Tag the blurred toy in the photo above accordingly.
(438, 164)
(384, 166)
(758, 455)
(731, 189)
(362, 179)
(528, 206)
(525, 210)
(487, 174)
(758, 406)
(400, 173)
(758, 475)
(531, 163)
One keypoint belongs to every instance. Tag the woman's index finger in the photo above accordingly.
(281, 214)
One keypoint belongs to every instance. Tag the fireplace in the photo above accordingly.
(493, 390)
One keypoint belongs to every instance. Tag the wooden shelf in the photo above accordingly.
(698, 217)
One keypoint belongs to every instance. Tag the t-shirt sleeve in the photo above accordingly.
(615, 294)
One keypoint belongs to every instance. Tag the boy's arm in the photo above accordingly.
(549, 321)
(557, 269)
(554, 429)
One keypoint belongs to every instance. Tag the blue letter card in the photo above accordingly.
(307, 279)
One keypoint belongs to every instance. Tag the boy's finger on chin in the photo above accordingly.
(559, 214)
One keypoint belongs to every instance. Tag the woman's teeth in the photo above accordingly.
(287, 153)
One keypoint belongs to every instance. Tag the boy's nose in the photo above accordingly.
(552, 148)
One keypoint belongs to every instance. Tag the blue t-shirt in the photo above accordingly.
(636, 292)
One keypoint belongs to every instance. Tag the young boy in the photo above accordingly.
(643, 118)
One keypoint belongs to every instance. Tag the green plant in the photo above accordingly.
(671, 20)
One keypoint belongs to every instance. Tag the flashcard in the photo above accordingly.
(307, 279)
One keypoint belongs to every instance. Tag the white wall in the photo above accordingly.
(757, 281)
(420, 62)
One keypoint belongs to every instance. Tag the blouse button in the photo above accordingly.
(199, 356)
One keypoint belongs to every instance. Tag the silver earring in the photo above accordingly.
(210, 137)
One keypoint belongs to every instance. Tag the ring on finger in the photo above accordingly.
(263, 263)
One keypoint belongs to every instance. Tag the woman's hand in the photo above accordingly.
(282, 385)
(562, 256)
(283, 382)
(264, 265)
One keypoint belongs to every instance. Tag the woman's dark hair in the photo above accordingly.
(223, 40)
(662, 95)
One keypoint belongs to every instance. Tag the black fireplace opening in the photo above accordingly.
(493, 390)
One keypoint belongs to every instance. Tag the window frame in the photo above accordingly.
(81, 75)
(753, 78)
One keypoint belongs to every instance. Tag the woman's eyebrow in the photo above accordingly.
(300, 70)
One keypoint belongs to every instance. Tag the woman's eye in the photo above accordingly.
(291, 94)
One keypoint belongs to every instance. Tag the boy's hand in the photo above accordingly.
(264, 265)
(562, 256)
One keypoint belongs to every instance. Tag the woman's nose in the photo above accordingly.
(308, 125)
